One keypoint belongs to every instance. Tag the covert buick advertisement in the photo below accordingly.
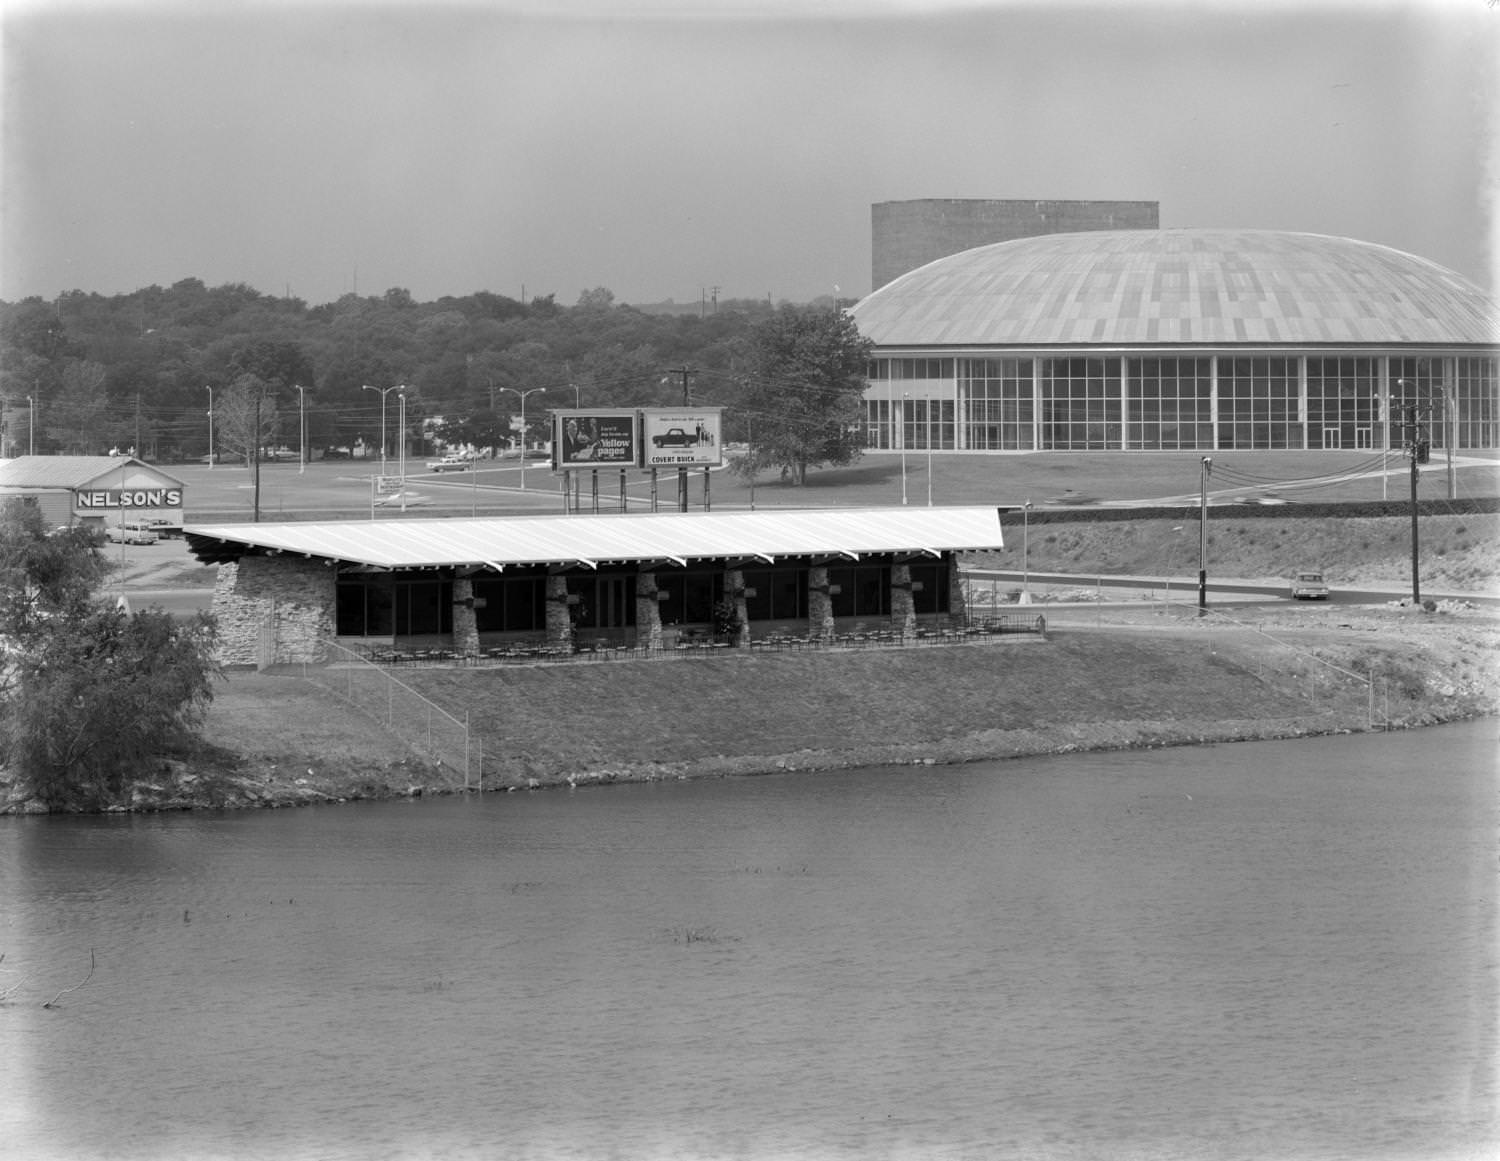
(595, 439)
(672, 438)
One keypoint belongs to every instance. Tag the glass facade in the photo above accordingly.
(1081, 404)
(1259, 403)
(1169, 402)
(997, 401)
(1476, 389)
(399, 605)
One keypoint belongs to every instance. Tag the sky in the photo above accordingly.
(662, 150)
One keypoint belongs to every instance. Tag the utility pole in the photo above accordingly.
(682, 473)
(255, 459)
(1413, 442)
(1208, 465)
(1414, 455)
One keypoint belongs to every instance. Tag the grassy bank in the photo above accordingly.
(1125, 680)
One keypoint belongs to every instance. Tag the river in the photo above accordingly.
(1264, 950)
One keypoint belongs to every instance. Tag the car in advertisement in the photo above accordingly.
(679, 438)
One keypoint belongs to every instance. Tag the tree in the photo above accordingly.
(89, 695)
(44, 576)
(101, 698)
(804, 391)
(245, 417)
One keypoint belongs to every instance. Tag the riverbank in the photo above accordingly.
(1104, 679)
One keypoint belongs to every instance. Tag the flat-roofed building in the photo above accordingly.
(558, 583)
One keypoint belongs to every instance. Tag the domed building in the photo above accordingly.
(1147, 340)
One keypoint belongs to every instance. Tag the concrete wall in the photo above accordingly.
(908, 234)
(273, 610)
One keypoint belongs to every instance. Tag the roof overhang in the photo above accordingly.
(589, 540)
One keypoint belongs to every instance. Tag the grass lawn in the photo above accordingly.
(342, 489)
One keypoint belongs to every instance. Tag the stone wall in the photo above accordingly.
(908, 234)
(274, 610)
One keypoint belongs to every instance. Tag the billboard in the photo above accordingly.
(680, 437)
(595, 439)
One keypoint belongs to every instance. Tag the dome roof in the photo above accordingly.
(1164, 287)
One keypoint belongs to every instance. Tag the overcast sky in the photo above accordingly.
(659, 149)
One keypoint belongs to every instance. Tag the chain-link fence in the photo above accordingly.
(434, 733)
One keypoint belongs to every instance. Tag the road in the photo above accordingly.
(1222, 589)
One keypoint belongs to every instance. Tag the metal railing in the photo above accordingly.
(882, 634)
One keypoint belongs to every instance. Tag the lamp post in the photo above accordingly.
(1207, 467)
(1026, 553)
(401, 395)
(523, 394)
(31, 427)
(301, 431)
(384, 391)
(901, 427)
(929, 460)
(210, 391)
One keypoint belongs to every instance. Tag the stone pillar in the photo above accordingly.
(274, 610)
(559, 623)
(647, 612)
(819, 603)
(465, 622)
(957, 609)
(734, 589)
(903, 604)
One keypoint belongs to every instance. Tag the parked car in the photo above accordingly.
(1309, 585)
(131, 532)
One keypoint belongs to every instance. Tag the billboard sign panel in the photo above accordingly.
(595, 439)
(682, 437)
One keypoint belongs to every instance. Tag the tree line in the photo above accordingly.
(86, 374)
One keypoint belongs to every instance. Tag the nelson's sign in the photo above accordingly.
(131, 498)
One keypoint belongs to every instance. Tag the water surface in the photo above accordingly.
(1263, 950)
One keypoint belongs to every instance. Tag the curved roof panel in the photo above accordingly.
(1165, 287)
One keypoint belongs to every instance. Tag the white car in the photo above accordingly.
(1309, 585)
(450, 464)
(131, 532)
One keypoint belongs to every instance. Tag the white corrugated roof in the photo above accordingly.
(76, 471)
(594, 539)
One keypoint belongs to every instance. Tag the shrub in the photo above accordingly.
(99, 697)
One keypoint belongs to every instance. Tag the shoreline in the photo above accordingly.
(251, 784)
(1144, 678)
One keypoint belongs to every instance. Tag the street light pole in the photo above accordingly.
(383, 392)
(1207, 467)
(401, 395)
(210, 391)
(301, 431)
(523, 394)
(31, 427)
(1026, 553)
(901, 427)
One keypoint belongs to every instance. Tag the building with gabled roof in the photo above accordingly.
(96, 490)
